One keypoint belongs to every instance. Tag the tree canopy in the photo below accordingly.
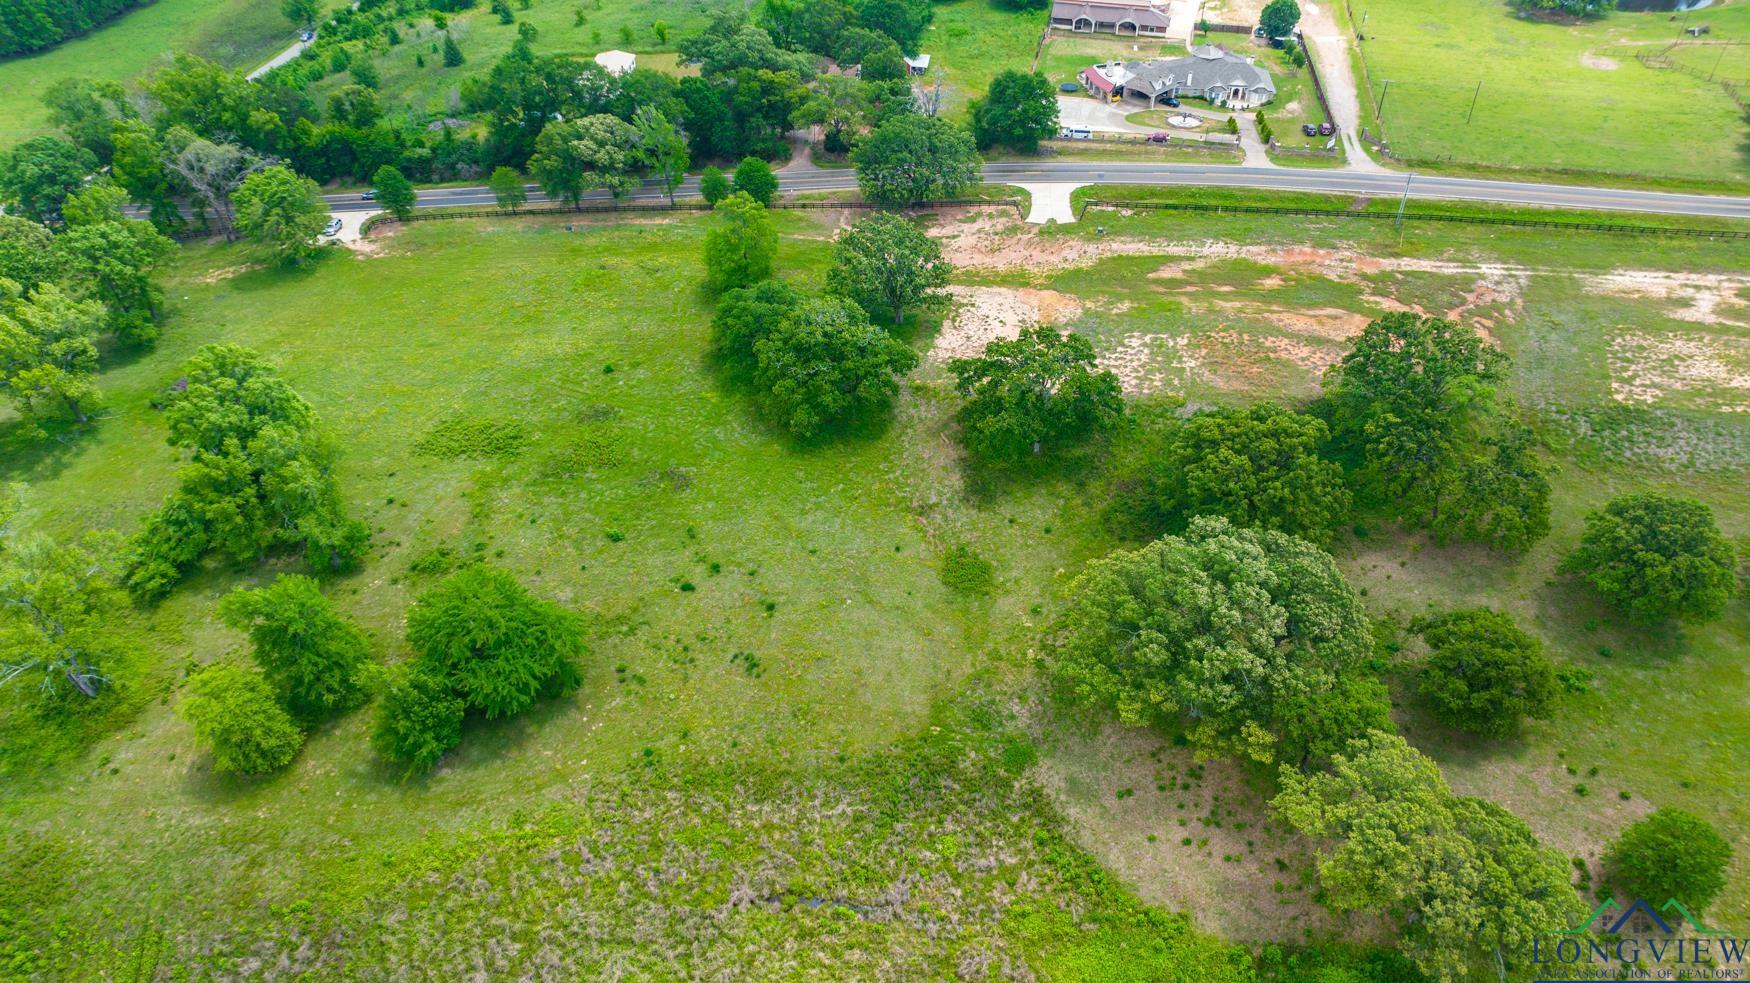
(1470, 879)
(747, 314)
(1137, 637)
(754, 178)
(887, 264)
(315, 660)
(394, 192)
(37, 176)
(1037, 393)
(576, 156)
(48, 353)
(1484, 673)
(911, 158)
(498, 647)
(234, 714)
(60, 609)
(1656, 557)
(1670, 854)
(741, 244)
(826, 366)
(419, 720)
(259, 477)
(1018, 111)
(1279, 17)
(283, 211)
(1416, 421)
(1258, 467)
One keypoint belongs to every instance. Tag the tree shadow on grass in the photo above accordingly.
(30, 452)
(275, 275)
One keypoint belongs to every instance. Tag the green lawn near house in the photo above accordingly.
(1065, 55)
(237, 33)
(1554, 96)
(431, 91)
(971, 41)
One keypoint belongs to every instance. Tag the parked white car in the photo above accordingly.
(1075, 133)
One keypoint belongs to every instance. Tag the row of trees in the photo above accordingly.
(61, 292)
(32, 25)
(818, 363)
(483, 644)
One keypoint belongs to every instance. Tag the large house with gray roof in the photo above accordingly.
(1139, 18)
(1210, 72)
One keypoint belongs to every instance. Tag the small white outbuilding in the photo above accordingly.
(617, 62)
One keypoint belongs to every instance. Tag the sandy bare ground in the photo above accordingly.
(1122, 786)
(1700, 297)
(981, 315)
(1697, 370)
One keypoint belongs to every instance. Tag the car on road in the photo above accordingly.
(306, 36)
(370, 195)
(332, 229)
(1157, 138)
(1326, 129)
(1309, 129)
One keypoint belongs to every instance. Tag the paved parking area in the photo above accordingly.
(1098, 115)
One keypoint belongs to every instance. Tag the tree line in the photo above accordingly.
(32, 25)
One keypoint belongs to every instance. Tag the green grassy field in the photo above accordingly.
(823, 562)
(1554, 97)
(432, 91)
(237, 33)
(972, 40)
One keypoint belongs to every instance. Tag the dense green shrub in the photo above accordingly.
(1258, 467)
(1040, 392)
(1485, 674)
(1670, 854)
(825, 366)
(316, 660)
(497, 646)
(234, 713)
(746, 315)
(1657, 557)
(1136, 638)
(965, 572)
(419, 720)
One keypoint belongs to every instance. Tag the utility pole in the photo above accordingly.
(1722, 57)
(1402, 202)
(1473, 102)
(1379, 107)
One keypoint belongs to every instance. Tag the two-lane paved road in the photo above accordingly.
(1379, 185)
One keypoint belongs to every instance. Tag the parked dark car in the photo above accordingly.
(1309, 129)
(1326, 129)
(1170, 101)
(1157, 138)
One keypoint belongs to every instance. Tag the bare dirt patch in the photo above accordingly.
(1243, 874)
(1700, 297)
(1697, 371)
(1599, 62)
(227, 273)
(982, 315)
(1149, 363)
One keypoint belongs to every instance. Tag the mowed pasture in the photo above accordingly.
(543, 398)
(236, 33)
(1565, 97)
(432, 90)
(1630, 361)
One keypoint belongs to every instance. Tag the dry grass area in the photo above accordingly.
(1192, 837)
(1200, 317)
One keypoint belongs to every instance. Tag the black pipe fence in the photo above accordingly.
(1408, 216)
(692, 205)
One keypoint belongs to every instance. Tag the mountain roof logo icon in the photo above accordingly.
(1640, 905)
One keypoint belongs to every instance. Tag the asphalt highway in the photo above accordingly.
(1379, 185)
